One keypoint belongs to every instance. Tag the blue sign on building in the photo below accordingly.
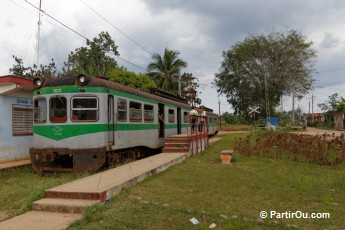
(24, 101)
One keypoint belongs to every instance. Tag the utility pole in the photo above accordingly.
(38, 37)
(220, 119)
(293, 107)
(312, 108)
(267, 102)
(179, 82)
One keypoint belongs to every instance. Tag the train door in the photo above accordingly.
(178, 120)
(161, 119)
(111, 126)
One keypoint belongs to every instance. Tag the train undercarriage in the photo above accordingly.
(83, 160)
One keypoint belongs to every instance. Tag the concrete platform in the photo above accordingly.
(14, 164)
(35, 220)
(65, 203)
(104, 185)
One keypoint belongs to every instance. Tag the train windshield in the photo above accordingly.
(40, 110)
(84, 109)
(57, 109)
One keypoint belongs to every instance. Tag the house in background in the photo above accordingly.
(339, 120)
(16, 118)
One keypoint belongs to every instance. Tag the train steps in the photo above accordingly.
(75, 196)
(177, 144)
(63, 205)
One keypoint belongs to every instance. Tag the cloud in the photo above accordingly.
(200, 29)
(329, 41)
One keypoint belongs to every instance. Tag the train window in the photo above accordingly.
(210, 120)
(84, 109)
(121, 110)
(148, 113)
(215, 120)
(171, 116)
(40, 110)
(185, 117)
(57, 109)
(135, 112)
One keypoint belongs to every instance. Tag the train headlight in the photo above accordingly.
(38, 82)
(82, 79)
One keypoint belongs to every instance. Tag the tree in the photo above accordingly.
(189, 85)
(131, 79)
(232, 119)
(165, 70)
(334, 103)
(279, 62)
(93, 59)
(29, 72)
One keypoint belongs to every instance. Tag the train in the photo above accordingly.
(83, 123)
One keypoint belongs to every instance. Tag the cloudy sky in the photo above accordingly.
(199, 29)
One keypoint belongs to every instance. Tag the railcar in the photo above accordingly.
(82, 123)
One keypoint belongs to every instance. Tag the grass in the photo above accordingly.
(231, 196)
(21, 187)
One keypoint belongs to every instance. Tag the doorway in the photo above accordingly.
(178, 120)
(111, 120)
(161, 120)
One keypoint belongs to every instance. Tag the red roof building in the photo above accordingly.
(16, 117)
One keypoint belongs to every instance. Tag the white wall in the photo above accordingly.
(13, 147)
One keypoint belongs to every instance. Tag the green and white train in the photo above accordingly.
(84, 123)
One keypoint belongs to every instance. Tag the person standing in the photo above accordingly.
(193, 113)
(161, 123)
(202, 121)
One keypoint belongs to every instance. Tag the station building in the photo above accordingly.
(16, 118)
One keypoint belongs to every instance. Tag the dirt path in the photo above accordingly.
(218, 136)
(309, 130)
(315, 131)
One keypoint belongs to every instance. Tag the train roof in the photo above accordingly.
(96, 81)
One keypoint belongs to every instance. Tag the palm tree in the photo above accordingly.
(165, 71)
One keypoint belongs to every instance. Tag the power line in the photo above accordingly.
(329, 70)
(116, 56)
(334, 83)
(61, 23)
(44, 19)
(132, 40)
(57, 20)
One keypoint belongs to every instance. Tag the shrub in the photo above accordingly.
(320, 149)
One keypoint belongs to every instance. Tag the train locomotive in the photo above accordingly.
(83, 123)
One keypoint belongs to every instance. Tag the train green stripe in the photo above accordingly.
(60, 132)
(69, 89)
(131, 96)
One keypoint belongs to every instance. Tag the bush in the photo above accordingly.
(320, 149)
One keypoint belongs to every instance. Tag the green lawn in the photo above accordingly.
(19, 188)
(231, 196)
